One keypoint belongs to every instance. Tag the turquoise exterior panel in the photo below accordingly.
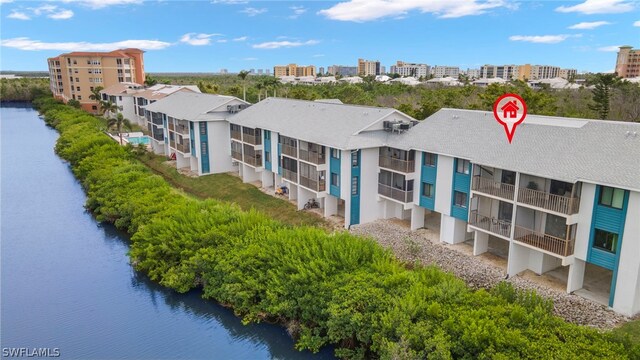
(204, 147)
(267, 147)
(461, 183)
(612, 220)
(428, 175)
(334, 168)
(192, 139)
(355, 195)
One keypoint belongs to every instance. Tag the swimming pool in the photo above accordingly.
(138, 140)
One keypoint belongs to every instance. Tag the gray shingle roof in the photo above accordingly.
(323, 123)
(188, 105)
(602, 152)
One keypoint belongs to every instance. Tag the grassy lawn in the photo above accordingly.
(632, 328)
(230, 188)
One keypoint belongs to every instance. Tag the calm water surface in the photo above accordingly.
(67, 282)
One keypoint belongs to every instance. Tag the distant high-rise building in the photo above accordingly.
(74, 75)
(544, 72)
(321, 70)
(410, 69)
(383, 69)
(628, 62)
(368, 67)
(259, 71)
(568, 74)
(252, 71)
(342, 70)
(445, 71)
(506, 72)
(224, 71)
(473, 73)
(294, 70)
(268, 71)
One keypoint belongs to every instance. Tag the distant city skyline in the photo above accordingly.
(206, 36)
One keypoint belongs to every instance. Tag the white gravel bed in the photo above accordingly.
(478, 272)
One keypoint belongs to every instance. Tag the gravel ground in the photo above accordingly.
(479, 272)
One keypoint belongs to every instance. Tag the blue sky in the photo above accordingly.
(205, 36)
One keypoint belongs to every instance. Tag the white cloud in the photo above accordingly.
(250, 11)
(589, 25)
(250, 59)
(24, 43)
(61, 15)
(197, 39)
(283, 44)
(637, 23)
(5, 1)
(318, 55)
(100, 4)
(542, 39)
(297, 11)
(222, 41)
(241, 38)
(590, 7)
(18, 15)
(367, 10)
(229, 2)
(50, 11)
(612, 48)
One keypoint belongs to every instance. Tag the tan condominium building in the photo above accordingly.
(368, 67)
(628, 62)
(294, 70)
(74, 75)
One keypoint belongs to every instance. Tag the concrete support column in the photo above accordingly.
(576, 275)
(480, 243)
(330, 205)
(302, 200)
(452, 230)
(518, 260)
(417, 217)
(266, 178)
(293, 191)
(540, 262)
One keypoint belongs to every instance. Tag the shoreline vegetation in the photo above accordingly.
(326, 288)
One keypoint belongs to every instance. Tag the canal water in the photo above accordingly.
(66, 279)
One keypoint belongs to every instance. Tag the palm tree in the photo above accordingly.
(108, 107)
(149, 81)
(243, 75)
(260, 85)
(271, 83)
(119, 122)
(96, 96)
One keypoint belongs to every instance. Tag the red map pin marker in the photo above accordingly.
(510, 111)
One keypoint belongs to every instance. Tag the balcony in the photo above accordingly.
(313, 184)
(183, 148)
(255, 161)
(236, 135)
(183, 130)
(561, 204)
(252, 139)
(312, 157)
(405, 166)
(490, 224)
(237, 155)
(158, 135)
(556, 245)
(492, 187)
(290, 175)
(156, 119)
(171, 126)
(396, 194)
(289, 150)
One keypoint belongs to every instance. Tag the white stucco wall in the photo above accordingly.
(370, 207)
(219, 146)
(585, 213)
(444, 184)
(626, 300)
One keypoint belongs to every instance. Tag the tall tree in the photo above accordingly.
(119, 122)
(602, 94)
(95, 94)
(108, 108)
(243, 75)
(150, 81)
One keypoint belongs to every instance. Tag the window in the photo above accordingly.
(460, 199)
(605, 240)
(78, 88)
(93, 107)
(462, 166)
(267, 155)
(429, 159)
(203, 148)
(427, 190)
(354, 158)
(335, 153)
(79, 97)
(612, 197)
(354, 185)
(267, 135)
(75, 71)
(335, 179)
(77, 79)
(203, 128)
